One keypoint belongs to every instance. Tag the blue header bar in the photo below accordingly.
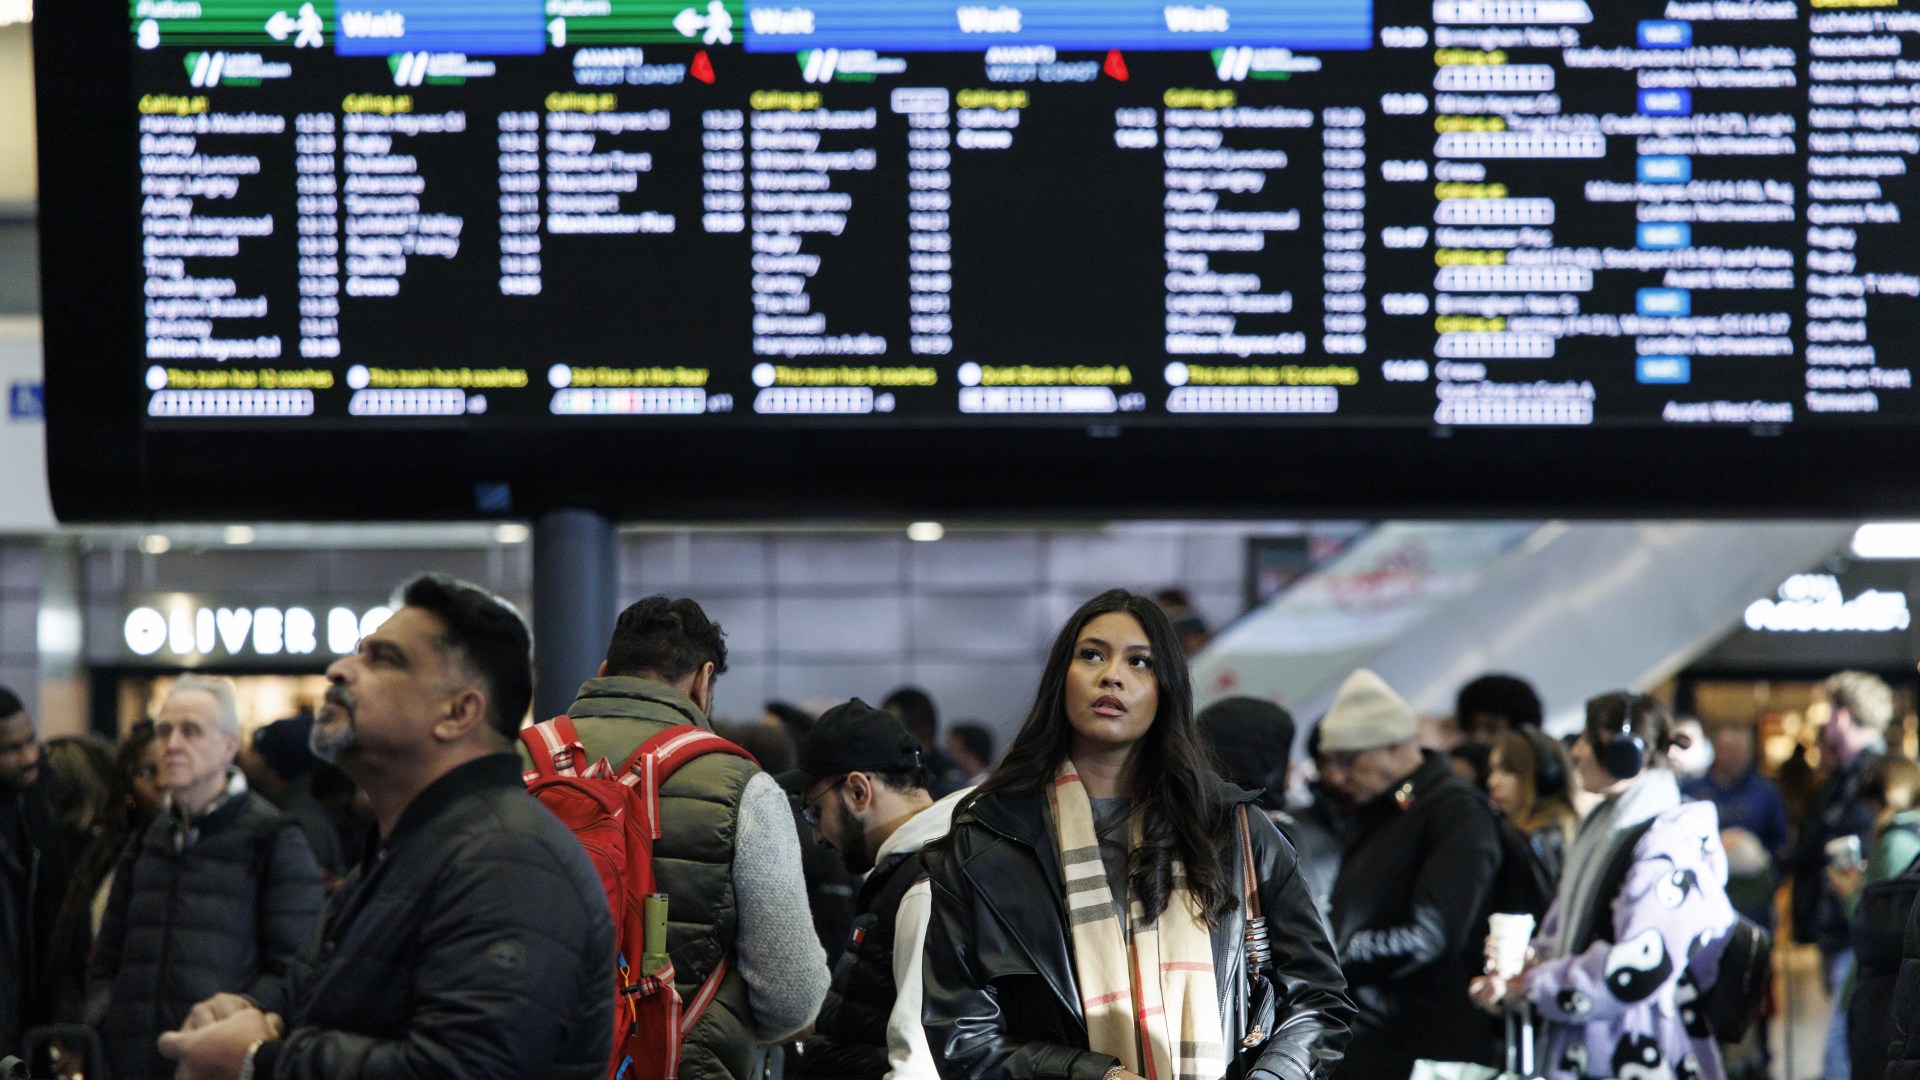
(477, 27)
(976, 25)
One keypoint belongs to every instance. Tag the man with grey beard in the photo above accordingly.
(473, 939)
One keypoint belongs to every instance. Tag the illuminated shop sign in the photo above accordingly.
(1815, 603)
(192, 630)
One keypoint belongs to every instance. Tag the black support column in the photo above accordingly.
(576, 595)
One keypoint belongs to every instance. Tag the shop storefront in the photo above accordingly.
(1853, 614)
(274, 654)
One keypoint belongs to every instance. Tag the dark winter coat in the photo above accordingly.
(850, 1038)
(473, 942)
(226, 907)
(1001, 1002)
(1818, 914)
(1409, 916)
(1903, 1053)
(34, 868)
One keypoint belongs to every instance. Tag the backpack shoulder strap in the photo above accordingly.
(1600, 917)
(555, 747)
(653, 761)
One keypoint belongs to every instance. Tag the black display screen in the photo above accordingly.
(1227, 227)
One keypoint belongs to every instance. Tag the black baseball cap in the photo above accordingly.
(854, 737)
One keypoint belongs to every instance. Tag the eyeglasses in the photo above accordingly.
(810, 812)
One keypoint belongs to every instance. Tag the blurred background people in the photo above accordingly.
(78, 768)
(134, 796)
(830, 886)
(1321, 817)
(917, 713)
(1188, 625)
(1891, 787)
(1251, 741)
(1471, 762)
(1690, 762)
(1641, 892)
(1493, 705)
(1528, 780)
(790, 718)
(1410, 904)
(970, 745)
(34, 868)
(1753, 818)
(279, 765)
(1859, 708)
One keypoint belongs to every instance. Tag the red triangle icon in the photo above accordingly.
(701, 68)
(1116, 65)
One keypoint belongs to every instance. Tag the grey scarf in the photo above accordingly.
(1655, 792)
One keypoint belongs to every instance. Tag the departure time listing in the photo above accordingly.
(1453, 213)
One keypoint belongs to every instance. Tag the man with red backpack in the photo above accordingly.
(746, 965)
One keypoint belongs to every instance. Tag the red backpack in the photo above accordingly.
(616, 816)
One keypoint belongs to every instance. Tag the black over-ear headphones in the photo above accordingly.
(1625, 753)
(1549, 776)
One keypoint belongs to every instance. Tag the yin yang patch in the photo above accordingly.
(1688, 1069)
(1573, 1003)
(1637, 1057)
(1638, 966)
(1574, 1058)
(1686, 998)
(1673, 889)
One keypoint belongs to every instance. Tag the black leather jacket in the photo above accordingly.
(1001, 1003)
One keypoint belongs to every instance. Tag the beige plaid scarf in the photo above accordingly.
(1147, 989)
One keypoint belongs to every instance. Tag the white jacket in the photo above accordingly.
(908, 1056)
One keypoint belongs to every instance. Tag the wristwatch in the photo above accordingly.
(246, 1063)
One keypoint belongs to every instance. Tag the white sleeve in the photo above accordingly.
(776, 951)
(908, 1055)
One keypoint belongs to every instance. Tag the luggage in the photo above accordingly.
(40, 1044)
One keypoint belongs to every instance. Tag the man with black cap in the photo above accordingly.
(862, 786)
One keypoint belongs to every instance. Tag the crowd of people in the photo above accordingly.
(1133, 889)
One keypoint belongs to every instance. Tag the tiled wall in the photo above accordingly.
(810, 618)
(20, 568)
(813, 619)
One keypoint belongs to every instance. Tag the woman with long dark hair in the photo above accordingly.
(1106, 908)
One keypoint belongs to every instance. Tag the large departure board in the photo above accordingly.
(1220, 219)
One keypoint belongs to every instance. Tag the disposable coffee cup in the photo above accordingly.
(1507, 939)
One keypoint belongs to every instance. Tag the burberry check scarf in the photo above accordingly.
(1147, 988)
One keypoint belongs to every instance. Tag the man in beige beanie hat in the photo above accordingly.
(1409, 909)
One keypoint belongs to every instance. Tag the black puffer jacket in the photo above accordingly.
(226, 909)
(34, 872)
(1001, 1002)
(850, 1039)
(1903, 1052)
(1409, 913)
(472, 943)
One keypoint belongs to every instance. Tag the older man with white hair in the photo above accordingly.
(220, 892)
